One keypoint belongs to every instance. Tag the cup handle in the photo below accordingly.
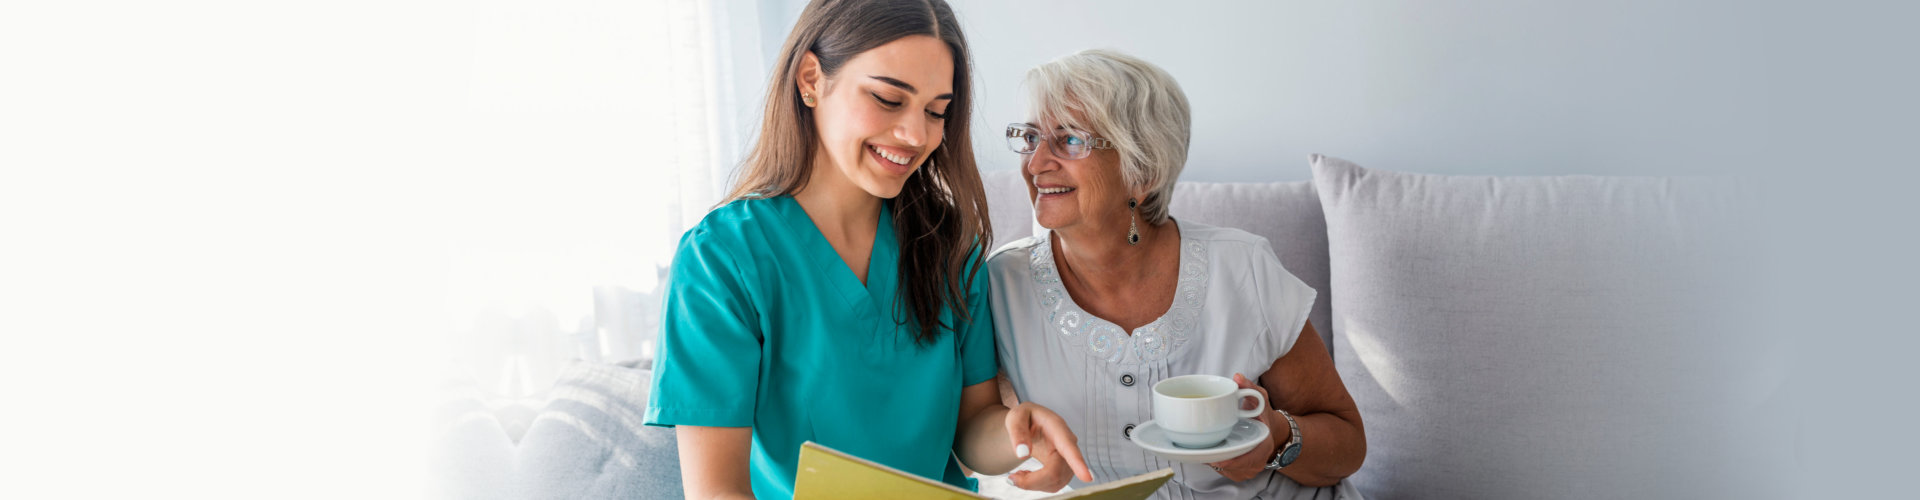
(1249, 393)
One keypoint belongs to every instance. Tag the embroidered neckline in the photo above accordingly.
(1152, 342)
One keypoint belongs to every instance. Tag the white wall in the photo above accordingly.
(1461, 87)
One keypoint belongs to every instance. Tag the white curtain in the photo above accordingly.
(604, 129)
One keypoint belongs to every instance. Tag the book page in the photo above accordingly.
(825, 473)
(1132, 488)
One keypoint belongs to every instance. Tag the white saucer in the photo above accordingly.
(1246, 434)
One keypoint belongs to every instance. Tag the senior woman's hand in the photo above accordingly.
(1254, 462)
(1040, 433)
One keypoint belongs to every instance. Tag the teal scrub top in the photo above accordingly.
(764, 326)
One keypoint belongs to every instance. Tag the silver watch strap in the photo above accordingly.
(1293, 439)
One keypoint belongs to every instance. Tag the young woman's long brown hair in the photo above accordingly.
(940, 215)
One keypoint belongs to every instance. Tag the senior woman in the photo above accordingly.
(1118, 296)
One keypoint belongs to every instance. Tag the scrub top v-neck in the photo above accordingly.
(765, 326)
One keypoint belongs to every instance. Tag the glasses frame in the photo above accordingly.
(1093, 142)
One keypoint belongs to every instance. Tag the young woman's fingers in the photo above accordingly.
(1053, 475)
(1065, 444)
(1042, 448)
(1048, 479)
(1019, 425)
(1019, 478)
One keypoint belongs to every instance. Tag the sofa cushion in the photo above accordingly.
(472, 454)
(1549, 337)
(590, 442)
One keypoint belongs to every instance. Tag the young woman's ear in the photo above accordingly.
(808, 80)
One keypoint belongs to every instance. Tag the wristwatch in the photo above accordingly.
(1290, 451)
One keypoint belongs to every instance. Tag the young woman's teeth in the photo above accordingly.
(1055, 190)
(890, 156)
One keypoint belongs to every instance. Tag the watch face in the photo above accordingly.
(1286, 457)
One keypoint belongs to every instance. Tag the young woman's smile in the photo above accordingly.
(899, 161)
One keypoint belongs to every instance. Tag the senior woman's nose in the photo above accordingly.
(1040, 161)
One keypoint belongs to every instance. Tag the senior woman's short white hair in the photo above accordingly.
(1126, 100)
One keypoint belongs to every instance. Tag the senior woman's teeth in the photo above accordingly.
(890, 156)
(1055, 190)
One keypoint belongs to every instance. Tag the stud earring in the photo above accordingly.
(1133, 222)
(806, 98)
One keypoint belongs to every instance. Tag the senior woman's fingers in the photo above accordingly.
(1246, 466)
(1250, 464)
(1245, 383)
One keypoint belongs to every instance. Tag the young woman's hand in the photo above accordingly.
(1039, 433)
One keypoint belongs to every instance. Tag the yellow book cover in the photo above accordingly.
(826, 474)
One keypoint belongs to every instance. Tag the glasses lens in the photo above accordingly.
(1022, 139)
(1072, 144)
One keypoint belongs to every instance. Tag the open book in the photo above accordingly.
(828, 474)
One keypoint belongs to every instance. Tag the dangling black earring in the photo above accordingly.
(1133, 222)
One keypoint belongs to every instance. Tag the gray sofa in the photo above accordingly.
(583, 438)
(1504, 337)
(1526, 337)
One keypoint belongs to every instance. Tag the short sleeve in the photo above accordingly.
(706, 368)
(978, 359)
(1285, 302)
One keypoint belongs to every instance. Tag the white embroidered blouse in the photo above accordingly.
(1235, 310)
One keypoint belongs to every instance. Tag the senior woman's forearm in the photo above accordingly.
(1332, 446)
(981, 442)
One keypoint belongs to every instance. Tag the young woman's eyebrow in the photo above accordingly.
(906, 86)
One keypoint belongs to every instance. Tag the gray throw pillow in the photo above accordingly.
(1287, 214)
(1552, 337)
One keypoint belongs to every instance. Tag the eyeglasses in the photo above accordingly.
(1067, 143)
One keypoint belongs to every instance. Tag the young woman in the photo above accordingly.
(839, 296)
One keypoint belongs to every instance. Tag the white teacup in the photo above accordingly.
(1198, 411)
